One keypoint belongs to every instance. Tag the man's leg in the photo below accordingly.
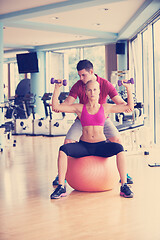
(60, 191)
(112, 134)
(121, 165)
(73, 135)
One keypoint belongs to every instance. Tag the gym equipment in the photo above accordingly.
(136, 116)
(6, 130)
(41, 125)
(92, 173)
(118, 75)
(129, 81)
(61, 121)
(154, 165)
(16, 108)
(23, 89)
(53, 124)
(8, 127)
(60, 126)
(20, 107)
(26, 125)
(56, 81)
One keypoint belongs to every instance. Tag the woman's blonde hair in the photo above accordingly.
(91, 81)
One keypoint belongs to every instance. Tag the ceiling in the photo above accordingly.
(60, 24)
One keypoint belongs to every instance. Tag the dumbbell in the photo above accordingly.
(129, 81)
(56, 81)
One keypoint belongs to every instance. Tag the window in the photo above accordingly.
(54, 68)
(156, 28)
(66, 64)
(148, 79)
(97, 56)
(145, 50)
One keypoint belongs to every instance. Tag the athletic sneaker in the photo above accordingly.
(129, 180)
(55, 182)
(59, 192)
(125, 191)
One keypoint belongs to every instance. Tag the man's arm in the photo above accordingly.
(69, 100)
(118, 101)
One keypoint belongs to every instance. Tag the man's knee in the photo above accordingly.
(69, 141)
(116, 139)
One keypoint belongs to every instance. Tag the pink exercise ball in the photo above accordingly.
(92, 173)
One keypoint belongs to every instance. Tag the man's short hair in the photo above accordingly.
(84, 64)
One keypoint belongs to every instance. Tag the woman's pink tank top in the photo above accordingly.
(97, 119)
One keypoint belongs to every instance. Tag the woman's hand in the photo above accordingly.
(59, 84)
(126, 84)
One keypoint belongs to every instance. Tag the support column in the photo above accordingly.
(122, 63)
(110, 59)
(1, 81)
(38, 85)
(122, 59)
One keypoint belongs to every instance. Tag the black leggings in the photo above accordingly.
(82, 149)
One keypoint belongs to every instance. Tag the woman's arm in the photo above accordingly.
(118, 100)
(110, 108)
(56, 106)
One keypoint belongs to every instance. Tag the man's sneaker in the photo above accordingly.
(129, 180)
(126, 192)
(59, 192)
(56, 182)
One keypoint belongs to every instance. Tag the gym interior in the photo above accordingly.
(43, 41)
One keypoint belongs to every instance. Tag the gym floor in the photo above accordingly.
(26, 211)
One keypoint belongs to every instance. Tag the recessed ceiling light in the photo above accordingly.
(78, 36)
(54, 18)
(104, 9)
(35, 43)
(97, 24)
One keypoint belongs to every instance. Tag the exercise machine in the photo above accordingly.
(42, 125)
(59, 123)
(53, 124)
(6, 129)
(25, 125)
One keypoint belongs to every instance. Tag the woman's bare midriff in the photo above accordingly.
(93, 134)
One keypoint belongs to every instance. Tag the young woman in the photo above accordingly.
(93, 141)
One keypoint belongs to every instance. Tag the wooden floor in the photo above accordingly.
(27, 213)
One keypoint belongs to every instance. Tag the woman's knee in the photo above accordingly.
(64, 149)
